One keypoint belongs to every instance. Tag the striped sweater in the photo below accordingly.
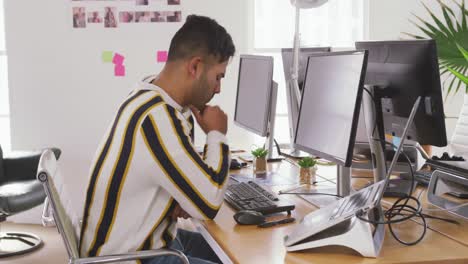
(144, 166)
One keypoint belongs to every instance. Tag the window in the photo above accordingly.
(338, 24)
(4, 106)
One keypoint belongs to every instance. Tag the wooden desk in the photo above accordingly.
(457, 233)
(249, 244)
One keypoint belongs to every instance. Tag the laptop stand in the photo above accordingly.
(442, 182)
(353, 233)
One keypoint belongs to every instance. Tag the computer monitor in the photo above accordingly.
(404, 70)
(256, 97)
(287, 56)
(330, 104)
(292, 99)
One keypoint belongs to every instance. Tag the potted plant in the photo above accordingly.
(451, 36)
(260, 162)
(308, 170)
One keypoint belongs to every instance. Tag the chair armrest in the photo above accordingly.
(132, 256)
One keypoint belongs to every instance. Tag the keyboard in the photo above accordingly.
(354, 202)
(251, 196)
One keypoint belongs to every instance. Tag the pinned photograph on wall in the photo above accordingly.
(173, 16)
(107, 56)
(94, 17)
(141, 2)
(109, 17)
(118, 59)
(79, 17)
(126, 17)
(161, 56)
(173, 2)
(119, 70)
(157, 17)
(142, 17)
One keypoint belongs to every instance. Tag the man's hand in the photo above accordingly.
(212, 118)
(179, 212)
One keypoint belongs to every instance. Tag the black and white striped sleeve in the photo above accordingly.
(197, 184)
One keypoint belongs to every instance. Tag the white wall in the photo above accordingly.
(387, 21)
(62, 95)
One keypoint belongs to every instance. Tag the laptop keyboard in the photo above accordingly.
(351, 203)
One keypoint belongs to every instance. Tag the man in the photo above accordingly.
(147, 173)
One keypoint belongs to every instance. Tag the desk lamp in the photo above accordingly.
(299, 4)
(295, 90)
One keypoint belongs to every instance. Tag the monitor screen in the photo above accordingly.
(407, 69)
(253, 93)
(330, 105)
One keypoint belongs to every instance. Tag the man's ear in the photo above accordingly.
(195, 67)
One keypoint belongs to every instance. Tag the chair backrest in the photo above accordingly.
(459, 141)
(46, 173)
(2, 170)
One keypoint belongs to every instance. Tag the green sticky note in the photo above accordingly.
(107, 56)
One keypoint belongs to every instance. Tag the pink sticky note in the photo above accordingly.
(162, 56)
(119, 70)
(118, 59)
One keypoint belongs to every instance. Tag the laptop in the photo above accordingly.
(336, 213)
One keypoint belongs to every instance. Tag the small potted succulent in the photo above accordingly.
(308, 170)
(259, 162)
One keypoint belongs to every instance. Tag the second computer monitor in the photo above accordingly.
(331, 100)
(406, 69)
(254, 89)
(287, 56)
(291, 98)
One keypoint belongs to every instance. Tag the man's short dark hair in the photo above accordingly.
(201, 36)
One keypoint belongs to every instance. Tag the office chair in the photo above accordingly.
(49, 176)
(19, 191)
(458, 144)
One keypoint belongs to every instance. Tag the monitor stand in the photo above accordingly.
(293, 153)
(399, 188)
(270, 140)
(372, 115)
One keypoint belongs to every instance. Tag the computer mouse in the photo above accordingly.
(235, 165)
(249, 217)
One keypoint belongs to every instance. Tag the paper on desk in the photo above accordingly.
(107, 56)
(119, 70)
(118, 59)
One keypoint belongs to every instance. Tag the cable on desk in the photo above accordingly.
(400, 209)
(278, 149)
(431, 216)
(374, 101)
